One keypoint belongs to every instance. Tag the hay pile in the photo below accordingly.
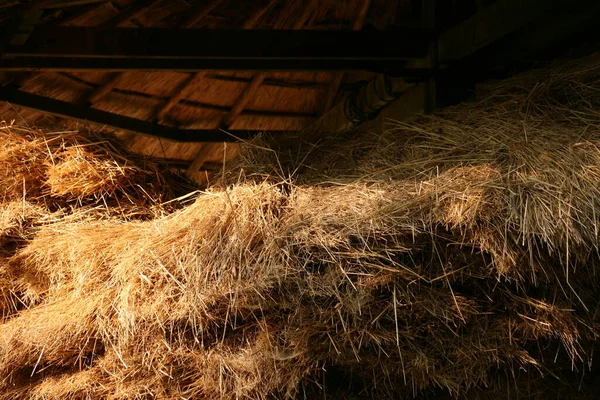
(455, 255)
(72, 170)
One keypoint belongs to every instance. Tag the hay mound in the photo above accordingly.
(66, 169)
(453, 255)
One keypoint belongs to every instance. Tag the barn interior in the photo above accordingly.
(176, 78)
(346, 199)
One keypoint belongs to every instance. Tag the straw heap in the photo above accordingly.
(451, 255)
(62, 170)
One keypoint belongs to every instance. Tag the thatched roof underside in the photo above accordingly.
(273, 101)
(239, 101)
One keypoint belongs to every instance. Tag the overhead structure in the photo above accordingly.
(204, 71)
(75, 48)
(66, 110)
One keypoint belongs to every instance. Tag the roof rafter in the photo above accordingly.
(287, 83)
(182, 89)
(68, 110)
(199, 12)
(195, 104)
(112, 80)
(258, 79)
(132, 11)
(99, 92)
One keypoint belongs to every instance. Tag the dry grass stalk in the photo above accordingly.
(66, 169)
(456, 254)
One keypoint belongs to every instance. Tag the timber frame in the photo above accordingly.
(506, 32)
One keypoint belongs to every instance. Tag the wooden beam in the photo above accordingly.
(48, 4)
(120, 45)
(182, 90)
(26, 26)
(135, 10)
(494, 22)
(160, 49)
(338, 77)
(258, 79)
(199, 12)
(119, 122)
(291, 84)
(253, 21)
(132, 11)
(325, 64)
(68, 16)
(107, 85)
(243, 100)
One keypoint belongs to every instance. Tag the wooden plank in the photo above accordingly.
(253, 21)
(242, 101)
(182, 90)
(120, 122)
(241, 45)
(109, 83)
(73, 64)
(258, 79)
(68, 16)
(291, 84)
(49, 4)
(199, 12)
(135, 9)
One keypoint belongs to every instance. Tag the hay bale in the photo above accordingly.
(455, 254)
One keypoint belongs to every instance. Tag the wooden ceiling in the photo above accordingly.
(204, 100)
(200, 71)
